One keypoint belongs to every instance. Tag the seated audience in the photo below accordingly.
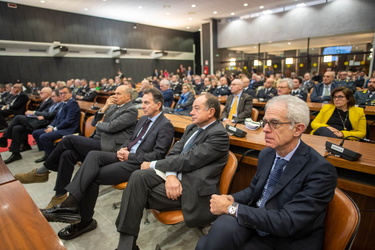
(176, 86)
(340, 118)
(66, 122)
(222, 88)
(120, 117)
(167, 93)
(247, 90)
(239, 105)
(16, 105)
(207, 86)
(184, 104)
(298, 89)
(285, 205)
(366, 97)
(308, 83)
(198, 86)
(345, 81)
(22, 125)
(284, 86)
(322, 91)
(150, 141)
(268, 91)
(184, 180)
(5, 93)
(89, 95)
(360, 80)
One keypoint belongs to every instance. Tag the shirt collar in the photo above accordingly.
(288, 156)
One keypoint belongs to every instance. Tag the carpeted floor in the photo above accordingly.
(31, 142)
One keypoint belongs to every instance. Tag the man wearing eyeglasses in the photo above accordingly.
(66, 122)
(285, 205)
(366, 97)
(345, 81)
(322, 91)
(284, 86)
(16, 105)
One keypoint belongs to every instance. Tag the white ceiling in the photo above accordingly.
(163, 13)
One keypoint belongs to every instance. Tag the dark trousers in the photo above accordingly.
(65, 156)
(18, 131)
(99, 168)
(3, 114)
(45, 140)
(226, 234)
(145, 190)
(324, 131)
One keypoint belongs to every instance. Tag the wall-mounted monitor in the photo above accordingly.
(337, 50)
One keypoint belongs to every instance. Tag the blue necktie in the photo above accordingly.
(190, 143)
(272, 181)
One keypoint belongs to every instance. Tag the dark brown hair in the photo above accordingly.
(347, 92)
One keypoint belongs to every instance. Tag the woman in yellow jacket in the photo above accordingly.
(341, 118)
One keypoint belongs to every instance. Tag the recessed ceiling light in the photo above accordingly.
(139, 7)
(232, 13)
(167, 13)
(42, 1)
(289, 43)
(199, 29)
(188, 28)
(104, 0)
(245, 4)
(190, 18)
(261, 7)
(86, 9)
(215, 12)
(193, 6)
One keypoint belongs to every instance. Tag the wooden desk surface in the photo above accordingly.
(22, 225)
(5, 175)
(86, 106)
(255, 140)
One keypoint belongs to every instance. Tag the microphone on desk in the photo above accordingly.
(235, 131)
(342, 152)
(359, 138)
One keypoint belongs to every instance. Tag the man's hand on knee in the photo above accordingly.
(173, 187)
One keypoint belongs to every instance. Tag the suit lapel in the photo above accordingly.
(294, 166)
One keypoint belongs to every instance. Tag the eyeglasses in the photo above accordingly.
(339, 97)
(280, 87)
(272, 124)
(63, 93)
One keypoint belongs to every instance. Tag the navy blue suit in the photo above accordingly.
(316, 95)
(168, 97)
(66, 122)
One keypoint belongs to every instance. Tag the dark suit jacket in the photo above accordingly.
(362, 97)
(244, 107)
(117, 126)
(168, 97)
(262, 93)
(43, 110)
(294, 214)
(18, 104)
(316, 95)
(222, 91)
(89, 96)
(67, 119)
(201, 167)
(300, 94)
(156, 142)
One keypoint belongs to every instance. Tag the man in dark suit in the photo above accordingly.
(120, 117)
(89, 95)
(345, 81)
(366, 97)
(22, 125)
(66, 122)
(222, 88)
(150, 141)
(16, 105)
(285, 205)
(239, 105)
(322, 91)
(268, 91)
(308, 83)
(193, 166)
(167, 92)
(298, 89)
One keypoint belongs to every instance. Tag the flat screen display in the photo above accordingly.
(337, 50)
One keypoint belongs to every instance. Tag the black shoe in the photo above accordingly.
(44, 158)
(3, 142)
(72, 231)
(24, 148)
(13, 157)
(62, 214)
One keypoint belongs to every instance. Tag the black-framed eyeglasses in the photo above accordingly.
(272, 124)
(339, 97)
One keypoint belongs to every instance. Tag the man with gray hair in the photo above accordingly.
(167, 92)
(284, 86)
(285, 205)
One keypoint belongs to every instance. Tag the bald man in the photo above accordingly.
(322, 91)
(239, 105)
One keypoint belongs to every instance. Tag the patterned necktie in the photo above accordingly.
(140, 135)
(326, 91)
(272, 181)
(233, 109)
(191, 141)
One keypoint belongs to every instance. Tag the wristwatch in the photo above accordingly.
(232, 209)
